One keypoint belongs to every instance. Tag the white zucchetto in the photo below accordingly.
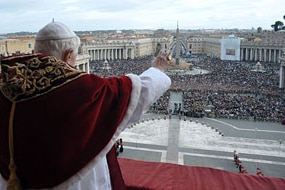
(54, 31)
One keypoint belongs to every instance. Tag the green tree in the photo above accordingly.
(278, 25)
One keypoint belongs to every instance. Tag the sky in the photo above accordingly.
(86, 15)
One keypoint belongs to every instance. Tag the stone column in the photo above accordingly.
(132, 53)
(282, 76)
(264, 54)
(87, 69)
(112, 54)
(251, 54)
(93, 55)
(104, 54)
(97, 55)
(90, 52)
(124, 53)
(274, 55)
(100, 54)
(255, 55)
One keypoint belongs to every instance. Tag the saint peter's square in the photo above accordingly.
(227, 94)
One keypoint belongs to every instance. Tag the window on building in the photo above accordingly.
(29, 46)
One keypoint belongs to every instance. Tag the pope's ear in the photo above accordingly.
(67, 55)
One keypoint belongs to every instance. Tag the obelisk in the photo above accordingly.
(177, 47)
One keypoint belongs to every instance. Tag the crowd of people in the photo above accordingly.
(259, 107)
(120, 67)
(229, 90)
(234, 90)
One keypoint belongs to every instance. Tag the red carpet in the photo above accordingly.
(154, 175)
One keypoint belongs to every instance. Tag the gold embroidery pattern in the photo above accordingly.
(29, 76)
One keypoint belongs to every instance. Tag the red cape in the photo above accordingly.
(61, 131)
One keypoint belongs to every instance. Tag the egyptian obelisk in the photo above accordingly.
(177, 50)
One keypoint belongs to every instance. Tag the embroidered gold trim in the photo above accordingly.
(30, 76)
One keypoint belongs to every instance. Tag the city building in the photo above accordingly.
(25, 45)
(239, 45)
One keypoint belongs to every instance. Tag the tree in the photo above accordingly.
(278, 25)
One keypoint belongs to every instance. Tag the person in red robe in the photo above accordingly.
(58, 125)
(259, 172)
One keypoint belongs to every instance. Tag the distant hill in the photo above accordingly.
(19, 34)
(77, 32)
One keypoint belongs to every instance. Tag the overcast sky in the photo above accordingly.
(31, 15)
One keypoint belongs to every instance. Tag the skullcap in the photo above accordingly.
(55, 31)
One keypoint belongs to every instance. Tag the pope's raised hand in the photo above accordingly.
(163, 60)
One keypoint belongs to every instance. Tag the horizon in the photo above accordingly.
(198, 29)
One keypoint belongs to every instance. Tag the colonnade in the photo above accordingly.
(260, 54)
(97, 54)
(84, 67)
(82, 62)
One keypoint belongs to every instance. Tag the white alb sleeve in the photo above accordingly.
(153, 84)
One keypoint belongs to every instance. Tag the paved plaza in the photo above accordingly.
(208, 142)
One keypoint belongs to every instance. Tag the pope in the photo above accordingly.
(58, 124)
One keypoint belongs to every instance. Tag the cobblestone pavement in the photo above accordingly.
(260, 144)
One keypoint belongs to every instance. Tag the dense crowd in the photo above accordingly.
(230, 89)
(234, 77)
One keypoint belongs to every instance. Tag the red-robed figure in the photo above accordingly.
(58, 124)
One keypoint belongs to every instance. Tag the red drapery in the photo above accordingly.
(153, 175)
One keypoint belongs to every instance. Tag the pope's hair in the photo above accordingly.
(57, 48)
